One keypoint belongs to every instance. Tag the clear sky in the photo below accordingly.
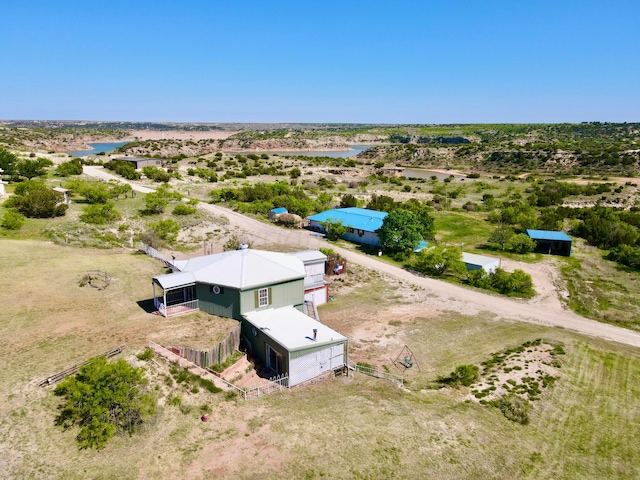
(390, 61)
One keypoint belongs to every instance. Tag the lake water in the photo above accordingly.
(421, 173)
(98, 148)
(355, 149)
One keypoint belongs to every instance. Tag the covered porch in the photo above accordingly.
(175, 294)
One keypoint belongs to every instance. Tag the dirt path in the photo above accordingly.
(544, 309)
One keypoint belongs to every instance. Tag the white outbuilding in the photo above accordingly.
(475, 262)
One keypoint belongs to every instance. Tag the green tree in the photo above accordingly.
(102, 399)
(334, 228)
(95, 192)
(501, 235)
(33, 168)
(381, 203)
(521, 244)
(439, 260)
(348, 200)
(155, 202)
(8, 162)
(401, 231)
(39, 203)
(324, 200)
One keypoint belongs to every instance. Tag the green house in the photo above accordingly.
(265, 291)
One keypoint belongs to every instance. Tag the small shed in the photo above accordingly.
(477, 262)
(551, 242)
(66, 194)
(276, 212)
(139, 163)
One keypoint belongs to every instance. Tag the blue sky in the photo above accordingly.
(324, 61)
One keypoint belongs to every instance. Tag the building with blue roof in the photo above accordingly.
(276, 212)
(361, 223)
(551, 242)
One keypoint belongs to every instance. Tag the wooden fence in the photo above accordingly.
(217, 354)
(56, 377)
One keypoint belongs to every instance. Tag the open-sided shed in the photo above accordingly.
(553, 243)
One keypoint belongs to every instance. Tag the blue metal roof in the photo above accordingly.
(421, 245)
(358, 218)
(279, 210)
(548, 235)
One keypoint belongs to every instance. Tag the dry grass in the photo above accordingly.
(357, 427)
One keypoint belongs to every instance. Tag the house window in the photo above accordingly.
(263, 297)
(360, 233)
(350, 230)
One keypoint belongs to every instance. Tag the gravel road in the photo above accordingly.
(544, 309)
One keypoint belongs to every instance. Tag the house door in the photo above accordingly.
(274, 360)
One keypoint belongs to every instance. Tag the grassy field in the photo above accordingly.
(601, 289)
(349, 427)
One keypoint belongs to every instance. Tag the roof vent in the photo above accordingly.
(243, 246)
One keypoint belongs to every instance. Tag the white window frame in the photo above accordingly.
(263, 297)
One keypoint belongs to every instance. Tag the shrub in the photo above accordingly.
(156, 174)
(184, 209)
(12, 220)
(72, 167)
(520, 244)
(166, 230)
(125, 169)
(98, 214)
(39, 203)
(514, 408)
(464, 375)
(103, 398)
(146, 354)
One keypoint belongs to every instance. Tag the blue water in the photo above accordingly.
(97, 148)
(355, 149)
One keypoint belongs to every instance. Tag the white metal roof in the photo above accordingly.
(310, 256)
(243, 268)
(172, 280)
(481, 260)
(292, 329)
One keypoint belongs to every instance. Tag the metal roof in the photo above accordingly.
(242, 269)
(310, 256)
(481, 260)
(279, 210)
(293, 329)
(172, 280)
(353, 217)
(548, 235)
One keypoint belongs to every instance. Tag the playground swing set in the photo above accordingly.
(406, 359)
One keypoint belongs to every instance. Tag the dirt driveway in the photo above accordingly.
(544, 309)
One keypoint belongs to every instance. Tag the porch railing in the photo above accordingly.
(178, 308)
(275, 384)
